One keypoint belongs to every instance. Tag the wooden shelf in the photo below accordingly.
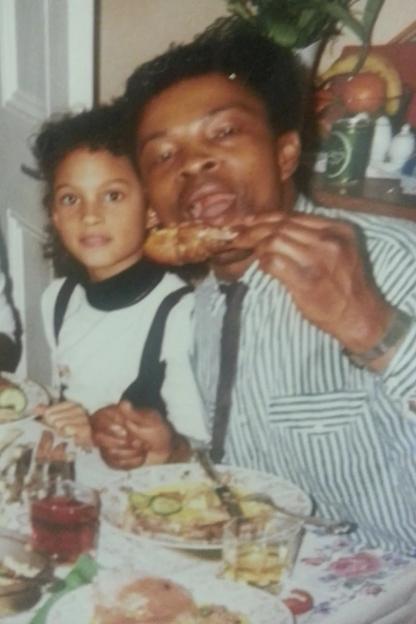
(371, 195)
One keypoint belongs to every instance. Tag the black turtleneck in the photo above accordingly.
(125, 288)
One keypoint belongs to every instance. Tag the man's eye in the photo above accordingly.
(225, 131)
(163, 157)
(113, 196)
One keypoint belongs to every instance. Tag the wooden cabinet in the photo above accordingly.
(371, 195)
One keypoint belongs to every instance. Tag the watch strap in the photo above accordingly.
(398, 327)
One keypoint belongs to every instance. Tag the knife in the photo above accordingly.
(224, 493)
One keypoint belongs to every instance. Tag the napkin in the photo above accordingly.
(82, 573)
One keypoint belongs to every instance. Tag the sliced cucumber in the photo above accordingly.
(13, 398)
(138, 501)
(164, 505)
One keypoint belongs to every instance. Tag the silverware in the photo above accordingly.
(224, 493)
(335, 527)
(22, 468)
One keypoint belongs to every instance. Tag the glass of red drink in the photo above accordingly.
(65, 521)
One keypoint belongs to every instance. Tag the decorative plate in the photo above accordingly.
(257, 606)
(34, 392)
(114, 497)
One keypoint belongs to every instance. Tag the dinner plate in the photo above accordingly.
(114, 497)
(257, 606)
(34, 392)
(21, 595)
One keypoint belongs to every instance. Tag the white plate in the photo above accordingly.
(114, 496)
(35, 394)
(257, 606)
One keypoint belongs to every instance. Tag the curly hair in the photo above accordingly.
(232, 47)
(100, 128)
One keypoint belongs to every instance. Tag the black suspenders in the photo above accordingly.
(144, 391)
(61, 304)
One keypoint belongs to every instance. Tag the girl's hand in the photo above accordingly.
(69, 420)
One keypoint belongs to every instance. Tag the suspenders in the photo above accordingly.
(144, 391)
(61, 304)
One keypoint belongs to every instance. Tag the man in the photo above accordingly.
(326, 365)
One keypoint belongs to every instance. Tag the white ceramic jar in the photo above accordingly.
(402, 146)
(382, 137)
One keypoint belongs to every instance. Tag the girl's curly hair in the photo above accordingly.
(101, 128)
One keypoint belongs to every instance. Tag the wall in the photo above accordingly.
(133, 31)
(394, 16)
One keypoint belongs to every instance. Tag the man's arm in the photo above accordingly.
(320, 262)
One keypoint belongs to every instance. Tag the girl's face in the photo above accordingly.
(98, 210)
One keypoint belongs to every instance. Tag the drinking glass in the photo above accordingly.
(261, 553)
(65, 521)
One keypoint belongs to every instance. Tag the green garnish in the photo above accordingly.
(164, 505)
(138, 501)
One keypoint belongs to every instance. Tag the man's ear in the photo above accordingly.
(288, 148)
(152, 220)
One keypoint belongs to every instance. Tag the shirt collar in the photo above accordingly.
(125, 288)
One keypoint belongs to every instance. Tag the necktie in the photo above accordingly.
(230, 335)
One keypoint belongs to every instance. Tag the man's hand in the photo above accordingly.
(69, 420)
(320, 263)
(130, 437)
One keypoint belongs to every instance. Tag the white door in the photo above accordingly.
(46, 65)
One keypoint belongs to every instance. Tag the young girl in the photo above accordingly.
(118, 327)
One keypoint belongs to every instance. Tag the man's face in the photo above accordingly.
(206, 151)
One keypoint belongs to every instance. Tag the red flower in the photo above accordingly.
(362, 564)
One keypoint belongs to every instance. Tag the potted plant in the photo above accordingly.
(300, 23)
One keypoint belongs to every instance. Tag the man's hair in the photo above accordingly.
(233, 48)
(101, 128)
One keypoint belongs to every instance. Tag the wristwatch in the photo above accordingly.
(397, 329)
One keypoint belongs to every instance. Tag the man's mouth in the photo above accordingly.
(210, 205)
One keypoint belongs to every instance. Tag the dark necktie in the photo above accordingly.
(230, 335)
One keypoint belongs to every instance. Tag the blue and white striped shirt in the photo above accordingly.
(302, 410)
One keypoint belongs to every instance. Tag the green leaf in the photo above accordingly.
(83, 572)
(284, 33)
(343, 15)
(370, 15)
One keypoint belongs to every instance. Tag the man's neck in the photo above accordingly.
(232, 272)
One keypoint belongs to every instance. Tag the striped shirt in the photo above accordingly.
(302, 410)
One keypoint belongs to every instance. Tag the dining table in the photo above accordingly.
(348, 584)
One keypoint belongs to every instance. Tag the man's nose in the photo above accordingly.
(196, 162)
(91, 212)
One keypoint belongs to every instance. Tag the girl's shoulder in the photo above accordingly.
(51, 291)
(170, 283)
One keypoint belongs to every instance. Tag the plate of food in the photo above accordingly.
(177, 506)
(22, 574)
(188, 599)
(19, 397)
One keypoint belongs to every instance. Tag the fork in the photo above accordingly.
(336, 527)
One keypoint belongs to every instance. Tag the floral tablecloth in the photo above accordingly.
(348, 586)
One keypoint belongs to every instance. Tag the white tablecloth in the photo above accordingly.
(349, 586)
